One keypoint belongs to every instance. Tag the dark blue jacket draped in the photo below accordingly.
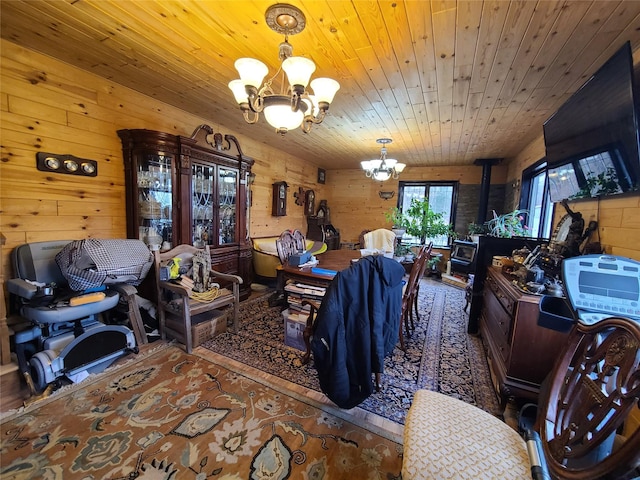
(356, 327)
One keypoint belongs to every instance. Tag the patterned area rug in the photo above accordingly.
(440, 355)
(176, 416)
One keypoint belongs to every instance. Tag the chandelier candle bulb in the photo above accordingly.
(251, 71)
(298, 70)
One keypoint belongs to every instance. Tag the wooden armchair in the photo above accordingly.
(176, 299)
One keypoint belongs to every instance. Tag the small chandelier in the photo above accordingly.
(384, 168)
(294, 105)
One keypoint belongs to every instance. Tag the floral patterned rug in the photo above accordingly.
(169, 415)
(440, 354)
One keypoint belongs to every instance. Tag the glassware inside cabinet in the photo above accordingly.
(202, 204)
(227, 190)
(155, 201)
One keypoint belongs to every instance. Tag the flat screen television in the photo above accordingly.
(592, 140)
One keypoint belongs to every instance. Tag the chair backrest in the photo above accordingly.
(417, 272)
(290, 242)
(593, 388)
(380, 239)
(37, 262)
(361, 238)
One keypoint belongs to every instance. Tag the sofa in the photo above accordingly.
(265, 255)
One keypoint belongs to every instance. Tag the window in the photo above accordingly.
(535, 199)
(442, 199)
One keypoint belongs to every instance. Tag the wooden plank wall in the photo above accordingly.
(357, 206)
(49, 106)
(618, 217)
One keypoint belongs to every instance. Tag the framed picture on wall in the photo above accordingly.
(321, 175)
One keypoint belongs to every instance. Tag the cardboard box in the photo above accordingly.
(204, 326)
(293, 331)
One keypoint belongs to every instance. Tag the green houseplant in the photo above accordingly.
(420, 221)
(508, 225)
(476, 228)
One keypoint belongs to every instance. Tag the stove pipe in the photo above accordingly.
(485, 186)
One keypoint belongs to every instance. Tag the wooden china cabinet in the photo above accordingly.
(190, 190)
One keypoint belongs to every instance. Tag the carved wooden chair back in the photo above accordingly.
(290, 242)
(594, 387)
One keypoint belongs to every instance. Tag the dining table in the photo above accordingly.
(329, 261)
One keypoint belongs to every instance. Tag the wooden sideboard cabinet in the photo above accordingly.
(519, 351)
(190, 190)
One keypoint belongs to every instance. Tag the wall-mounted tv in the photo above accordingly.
(592, 140)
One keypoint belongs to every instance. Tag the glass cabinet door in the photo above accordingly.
(155, 201)
(227, 190)
(202, 207)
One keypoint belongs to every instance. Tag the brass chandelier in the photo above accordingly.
(294, 106)
(384, 168)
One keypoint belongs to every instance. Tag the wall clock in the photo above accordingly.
(279, 206)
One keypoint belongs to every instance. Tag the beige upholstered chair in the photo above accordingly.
(594, 386)
(380, 239)
(176, 301)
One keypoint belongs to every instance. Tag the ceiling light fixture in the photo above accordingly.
(294, 105)
(384, 168)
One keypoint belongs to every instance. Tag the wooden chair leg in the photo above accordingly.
(415, 308)
(306, 336)
(401, 335)
(308, 331)
(129, 293)
(236, 309)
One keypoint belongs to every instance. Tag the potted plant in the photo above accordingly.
(395, 217)
(475, 230)
(508, 225)
(401, 252)
(432, 266)
(422, 222)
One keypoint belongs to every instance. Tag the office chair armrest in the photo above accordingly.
(22, 288)
(227, 276)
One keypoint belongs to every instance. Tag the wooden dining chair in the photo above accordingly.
(290, 242)
(411, 292)
(583, 430)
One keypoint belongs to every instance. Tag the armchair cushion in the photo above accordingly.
(265, 254)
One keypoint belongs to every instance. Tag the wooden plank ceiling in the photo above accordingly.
(448, 81)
